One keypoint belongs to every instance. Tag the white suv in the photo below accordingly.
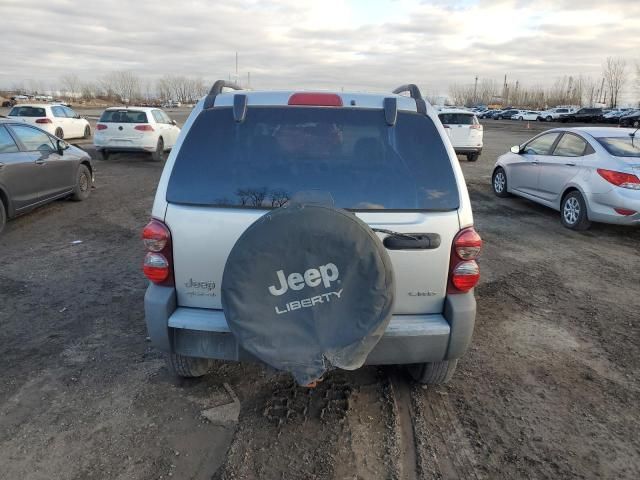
(57, 120)
(312, 231)
(464, 130)
(554, 113)
(135, 129)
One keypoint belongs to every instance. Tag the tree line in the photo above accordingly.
(566, 90)
(122, 87)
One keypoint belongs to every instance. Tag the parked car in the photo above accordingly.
(485, 114)
(554, 113)
(135, 129)
(8, 103)
(37, 168)
(526, 115)
(586, 115)
(630, 119)
(55, 119)
(588, 174)
(506, 114)
(242, 157)
(465, 132)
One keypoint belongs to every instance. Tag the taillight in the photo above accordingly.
(316, 99)
(625, 211)
(44, 120)
(620, 179)
(465, 276)
(157, 265)
(101, 126)
(144, 128)
(467, 244)
(475, 127)
(464, 272)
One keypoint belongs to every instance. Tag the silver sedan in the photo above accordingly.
(587, 174)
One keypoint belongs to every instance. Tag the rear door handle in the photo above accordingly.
(412, 241)
(40, 162)
(570, 164)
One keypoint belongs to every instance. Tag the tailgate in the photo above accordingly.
(200, 254)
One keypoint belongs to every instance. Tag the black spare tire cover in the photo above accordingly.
(307, 287)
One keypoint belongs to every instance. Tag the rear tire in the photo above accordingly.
(3, 215)
(188, 367)
(549, 118)
(82, 187)
(104, 154)
(472, 157)
(636, 124)
(433, 373)
(499, 182)
(521, 118)
(59, 133)
(87, 132)
(158, 155)
(573, 212)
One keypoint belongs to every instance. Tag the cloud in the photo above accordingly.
(354, 44)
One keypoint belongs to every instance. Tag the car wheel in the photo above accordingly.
(158, 155)
(549, 118)
(82, 188)
(87, 132)
(499, 182)
(104, 154)
(636, 124)
(573, 212)
(472, 157)
(433, 373)
(188, 367)
(521, 118)
(59, 133)
(3, 216)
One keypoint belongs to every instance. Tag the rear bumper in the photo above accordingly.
(408, 339)
(601, 206)
(465, 150)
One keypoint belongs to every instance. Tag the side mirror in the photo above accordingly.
(516, 149)
(174, 123)
(62, 146)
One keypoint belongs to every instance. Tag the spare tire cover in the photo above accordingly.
(307, 287)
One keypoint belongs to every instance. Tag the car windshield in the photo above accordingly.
(27, 112)
(123, 116)
(621, 146)
(349, 155)
(457, 119)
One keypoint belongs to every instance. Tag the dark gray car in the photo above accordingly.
(37, 168)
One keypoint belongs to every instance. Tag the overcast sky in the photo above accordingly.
(357, 44)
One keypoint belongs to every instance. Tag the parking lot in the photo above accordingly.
(549, 388)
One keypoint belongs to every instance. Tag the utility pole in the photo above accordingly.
(248, 80)
(475, 91)
(601, 89)
(236, 77)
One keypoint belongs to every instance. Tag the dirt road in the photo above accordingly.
(549, 389)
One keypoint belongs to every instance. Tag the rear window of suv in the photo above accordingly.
(458, 119)
(349, 155)
(123, 116)
(27, 112)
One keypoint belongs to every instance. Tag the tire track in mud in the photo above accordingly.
(443, 448)
(403, 415)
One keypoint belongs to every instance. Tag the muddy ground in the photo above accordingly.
(549, 389)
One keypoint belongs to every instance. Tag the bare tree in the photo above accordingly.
(71, 85)
(613, 71)
(123, 86)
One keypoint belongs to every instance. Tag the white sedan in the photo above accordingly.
(55, 119)
(135, 129)
(529, 115)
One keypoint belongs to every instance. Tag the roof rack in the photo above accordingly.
(216, 89)
(414, 91)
